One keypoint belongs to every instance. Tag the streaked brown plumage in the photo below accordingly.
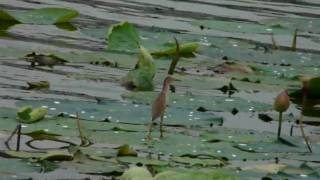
(159, 106)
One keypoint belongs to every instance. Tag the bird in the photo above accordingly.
(159, 106)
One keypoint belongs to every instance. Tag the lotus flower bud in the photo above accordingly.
(281, 103)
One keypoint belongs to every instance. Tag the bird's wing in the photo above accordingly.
(159, 106)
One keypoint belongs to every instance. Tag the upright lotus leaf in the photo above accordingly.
(141, 78)
(185, 50)
(45, 15)
(145, 60)
(24, 113)
(123, 37)
(136, 173)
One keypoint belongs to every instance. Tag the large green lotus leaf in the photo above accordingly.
(123, 37)
(241, 27)
(301, 23)
(17, 169)
(197, 161)
(113, 111)
(43, 16)
(193, 102)
(94, 167)
(21, 154)
(141, 160)
(216, 174)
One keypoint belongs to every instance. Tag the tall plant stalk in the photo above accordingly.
(280, 124)
(304, 102)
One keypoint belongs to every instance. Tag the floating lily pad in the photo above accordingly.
(40, 16)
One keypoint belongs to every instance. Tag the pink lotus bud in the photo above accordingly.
(281, 103)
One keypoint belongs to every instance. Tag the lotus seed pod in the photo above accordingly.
(282, 102)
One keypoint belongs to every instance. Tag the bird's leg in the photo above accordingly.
(149, 131)
(161, 126)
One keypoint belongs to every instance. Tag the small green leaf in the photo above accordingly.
(38, 85)
(126, 150)
(123, 37)
(38, 114)
(24, 113)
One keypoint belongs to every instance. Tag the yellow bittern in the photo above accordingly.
(159, 107)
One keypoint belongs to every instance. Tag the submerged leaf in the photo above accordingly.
(123, 37)
(24, 113)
